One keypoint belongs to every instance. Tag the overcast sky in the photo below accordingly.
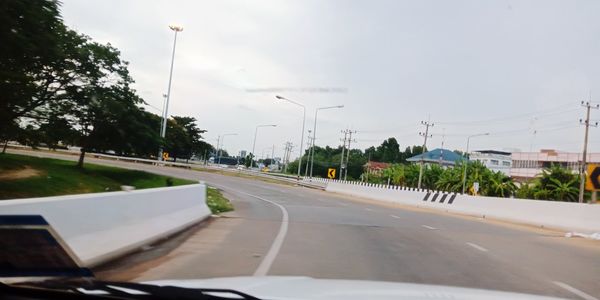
(515, 69)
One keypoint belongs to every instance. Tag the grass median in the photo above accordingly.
(26, 176)
(216, 201)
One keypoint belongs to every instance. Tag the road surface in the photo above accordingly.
(279, 229)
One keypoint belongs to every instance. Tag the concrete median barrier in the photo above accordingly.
(567, 216)
(102, 226)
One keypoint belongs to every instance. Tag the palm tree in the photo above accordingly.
(564, 191)
(450, 180)
(500, 185)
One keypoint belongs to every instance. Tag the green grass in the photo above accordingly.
(242, 175)
(61, 177)
(216, 201)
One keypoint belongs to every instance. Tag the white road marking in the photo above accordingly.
(265, 264)
(575, 291)
(368, 209)
(394, 216)
(429, 227)
(477, 247)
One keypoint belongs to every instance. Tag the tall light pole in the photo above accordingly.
(254, 144)
(176, 28)
(222, 142)
(302, 136)
(464, 179)
(312, 155)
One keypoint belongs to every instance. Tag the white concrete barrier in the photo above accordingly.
(102, 226)
(567, 216)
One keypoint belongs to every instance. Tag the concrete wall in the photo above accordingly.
(552, 214)
(101, 226)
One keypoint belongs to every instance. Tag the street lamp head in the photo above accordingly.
(340, 106)
(279, 97)
(175, 27)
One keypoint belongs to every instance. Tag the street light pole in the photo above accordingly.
(302, 136)
(465, 162)
(254, 144)
(177, 29)
(312, 156)
(222, 142)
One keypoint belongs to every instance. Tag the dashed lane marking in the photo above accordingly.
(575, 291)
(477, 247)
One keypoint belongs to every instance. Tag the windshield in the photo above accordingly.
(447, 143)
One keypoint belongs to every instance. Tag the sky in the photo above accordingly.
(517, 70)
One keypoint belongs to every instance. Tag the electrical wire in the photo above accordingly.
(553, 111)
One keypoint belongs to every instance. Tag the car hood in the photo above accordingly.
(288, 288)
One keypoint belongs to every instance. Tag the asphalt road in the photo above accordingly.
(287, 230)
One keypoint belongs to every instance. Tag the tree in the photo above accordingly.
(56, 130)
(34, 64)
(248, 160)
(564, 191)
(450, 180)
(100, 99)
(499, 185)
(389, 151)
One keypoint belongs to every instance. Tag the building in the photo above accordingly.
(497, 161)
(374, 167)
(443, 157)
(243, 153)
(527, 165)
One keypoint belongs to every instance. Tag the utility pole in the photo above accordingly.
(586, 123)
(218, 150)
(425, 135)
(348, 153)
(308, 147)
(345, 132)
(286, 155)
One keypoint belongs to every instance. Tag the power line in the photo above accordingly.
(547, 112)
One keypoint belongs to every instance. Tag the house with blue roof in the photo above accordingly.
(443, 157)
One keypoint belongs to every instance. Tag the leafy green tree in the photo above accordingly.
(564, 191)
(499, 185)
(554, 183)
(450, 180)
(248, 160)
(34, 64)
(56, 130)
(389, 151)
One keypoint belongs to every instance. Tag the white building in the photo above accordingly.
(497, 161)
(530, 164)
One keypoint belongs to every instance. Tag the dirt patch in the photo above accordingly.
(20, 173)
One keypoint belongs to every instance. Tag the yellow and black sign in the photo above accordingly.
(331, 173)
(165, 155)
(592, 180)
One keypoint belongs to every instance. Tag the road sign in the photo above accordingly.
(165, 155)
(331, 173)
(592, 180)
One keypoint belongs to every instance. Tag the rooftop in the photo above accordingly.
(439, 155)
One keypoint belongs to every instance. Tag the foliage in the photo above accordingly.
(216, 201)
(60, 87)
(55, 177)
